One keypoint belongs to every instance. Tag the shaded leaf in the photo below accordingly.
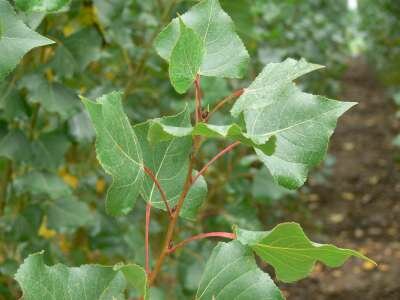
(169, 161)
(118, 151)
(75, 53)
(16, 39)
(49, 149)
(41, 5)
(302, 123)
(135, 275)
(53, 97)
(225, 54)
(232, 273)
(159, 130)
(15, 146)
(291, 253)
(42, 184)
(68, 214)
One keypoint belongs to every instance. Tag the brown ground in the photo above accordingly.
(360, 207)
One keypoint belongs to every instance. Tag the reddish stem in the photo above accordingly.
(198, 99)
(157, 183)
(216, 157)
(221, 103)
(200, 236)
(146, 239)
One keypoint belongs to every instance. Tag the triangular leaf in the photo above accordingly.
(225, 55)
(301, 122)
(291, 253)
(16, 39)
(232, 273)
(186, 59)
(118, 151)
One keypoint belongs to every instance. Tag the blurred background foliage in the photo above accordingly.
(52, 189)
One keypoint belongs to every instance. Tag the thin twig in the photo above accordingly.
(198, 99)
(215, 158)
(221, 103)
(162, 192)
(172, 224)
(226, 235)
(146, 239)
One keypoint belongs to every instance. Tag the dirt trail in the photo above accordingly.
(360, 207)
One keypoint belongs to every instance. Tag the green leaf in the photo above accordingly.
(266, 190)
(232, 273)
(16, 39)
(302, 123)
(118, 151)
(169, 162)
(135, 275)
(224, 56)
(53, 96)
(91, 282)
(67, 214)
(15, 146)
(81, 128)
(75, 52)
(186, 59)
(159, 130)
(49, 149)
(291, 253)
(42, 184)
(41, 5)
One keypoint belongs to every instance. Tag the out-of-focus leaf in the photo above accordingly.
(42, 184)
(225, 54)
(118, 151)
(81, 128)
(52, 96)
(291, 253)
(67, 214)
(232, 273)
(49, 149)
(76, 52)
(15, 146)
(264, 187)
(41, 5)
(16, 39)
(186, 58)
(302, 123)
(12, 106)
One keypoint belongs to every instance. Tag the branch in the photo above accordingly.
(226, 235)
(157, 183)
(146, 239)
(221, 103)
(215, 158)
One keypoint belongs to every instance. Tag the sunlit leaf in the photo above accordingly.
(302, 123)
(291, 253)
(41, 5)
(225, 54)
